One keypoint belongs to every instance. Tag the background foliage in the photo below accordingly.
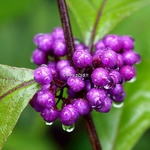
(19, 22)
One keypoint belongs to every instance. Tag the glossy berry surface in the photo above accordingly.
(43, 75)
(69, 115)
(82, 58)
(75, 83)
(100, 77)
(82, 106)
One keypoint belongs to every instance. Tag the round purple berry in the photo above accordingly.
(45, 42)
(82, 58)
(82, 106)
(128, 72)
(46, 98)
(100, 77)
(35, 105)
(61, 63)
(116, 76)
(69, 115)
(51, 64)
(118, 89)
(80, 46)
(76, 84)
(66, 72)
(106, 105)
(50, 114)
(100, 45)
(96, 97)
(71, 93)
(131, 58)
(37, 37)
(59, 47)
(109, 58)
(114, 42)
(39, 57)
(119, 98)
(58, 33)
(128, 43)
(43, 75)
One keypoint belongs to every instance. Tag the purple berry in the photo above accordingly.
(100, 77)
(50, 114)
(58, 33)
(61, 63)
(109, 58)
(128, 72)
(131, 58)
(82, 106)
(80, 46)
(66, 72)
(82, 58)
(116, 76)
(100, 45)
(45, 42)
(106, 105)
(35, 105)
(59, 47)
(54, 72)
(37, 37)
(71, 93)
(88, 85)
(114, 42)
(96, 97)
(45, 87)
(120, 61)
(46, 98)
(69, 115)
(51, 64)
(128, 43)
(119, 97)
(118, 89)
(43, 75)
(39, 57)
(76, 84)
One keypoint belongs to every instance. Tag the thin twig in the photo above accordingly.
(67, 28)
(92, 133)
(96, 24)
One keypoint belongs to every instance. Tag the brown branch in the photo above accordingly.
(92, 133)
(96, 24)
(67, 28)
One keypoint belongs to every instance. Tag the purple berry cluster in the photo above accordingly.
(93, 80)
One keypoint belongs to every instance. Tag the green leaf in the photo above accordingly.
(122, 127)
(17, 87)
(85, 13)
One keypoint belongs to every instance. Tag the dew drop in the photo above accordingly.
(132, 80)
(68, 128)
(118, 105)
(49, 123)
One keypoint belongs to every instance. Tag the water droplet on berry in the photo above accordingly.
(132, 80)
(118, 105)
(49, 123)
(68, 128)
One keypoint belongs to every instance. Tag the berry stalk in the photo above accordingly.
(96, 24)
(67, 28)
(92, 133)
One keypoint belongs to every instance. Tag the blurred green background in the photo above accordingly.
(19, 22)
